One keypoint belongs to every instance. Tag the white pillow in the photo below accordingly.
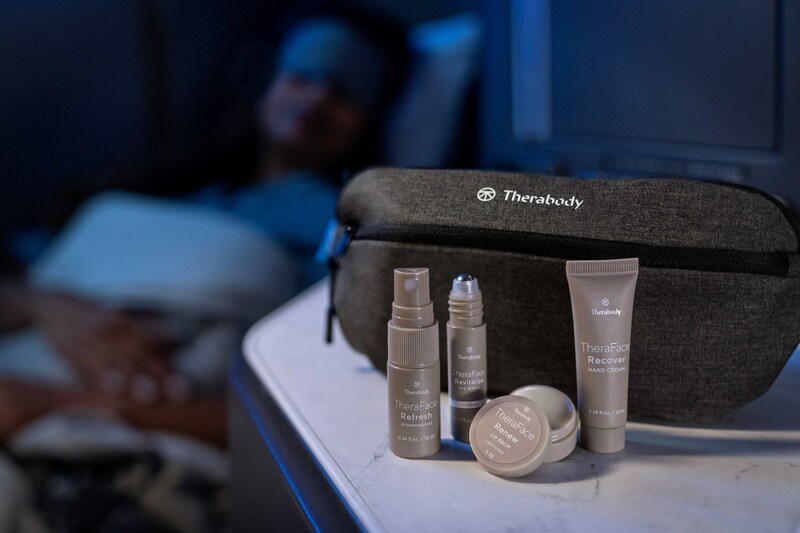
(135, 251)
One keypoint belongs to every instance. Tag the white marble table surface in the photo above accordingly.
(740, 474)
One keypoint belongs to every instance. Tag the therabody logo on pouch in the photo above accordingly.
(487, 194)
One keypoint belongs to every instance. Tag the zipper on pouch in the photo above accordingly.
(579, 248)
(556, 247)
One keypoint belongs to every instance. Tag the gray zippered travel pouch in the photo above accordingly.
(717, 305)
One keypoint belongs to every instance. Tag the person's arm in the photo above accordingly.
(112, 350)
(22, 402)
(203, 418)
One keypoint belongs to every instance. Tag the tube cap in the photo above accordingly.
(603, 440)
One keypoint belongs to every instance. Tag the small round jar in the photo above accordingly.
(510, 436)
(561, 416)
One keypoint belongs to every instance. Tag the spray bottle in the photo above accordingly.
(413, 367)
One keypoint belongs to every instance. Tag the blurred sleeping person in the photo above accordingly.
(138, 304)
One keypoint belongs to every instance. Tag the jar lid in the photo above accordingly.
(561, 415)
(510, 436)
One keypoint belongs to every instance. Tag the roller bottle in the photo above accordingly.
(466, 355)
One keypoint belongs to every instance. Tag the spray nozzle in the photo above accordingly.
(411, 287)
(412, 307)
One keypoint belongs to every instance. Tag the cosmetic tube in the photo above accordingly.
(466, 355)
(412, 370)
(602, 306)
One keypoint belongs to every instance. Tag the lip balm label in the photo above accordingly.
(509, 432)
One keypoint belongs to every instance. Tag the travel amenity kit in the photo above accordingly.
(714, 268)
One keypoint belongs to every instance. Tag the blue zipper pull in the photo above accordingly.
(336, 241)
